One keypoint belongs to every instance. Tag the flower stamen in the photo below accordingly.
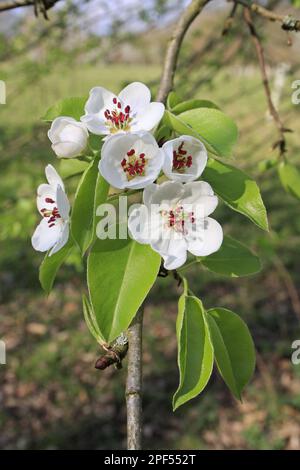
(181, 160)
(51, 214)
(178, 219)
(134, 165)
(117, 118)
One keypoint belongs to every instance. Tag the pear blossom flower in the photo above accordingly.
(131, 160)
(185, 158)
(174, 220)
(130, 111)
(68, 136)
(53, 205)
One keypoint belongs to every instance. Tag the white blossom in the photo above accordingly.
(131, 160)
(69, 137)
(130, 111)
(184, 158)
(174, 220)
(52, 203)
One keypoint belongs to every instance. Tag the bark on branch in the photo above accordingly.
(288, 23)
(134, 383)
(44, 4)
(171, 58)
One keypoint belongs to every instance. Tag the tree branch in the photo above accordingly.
(11, 4)
(134, 383)
(281, 144)
(288, 23)
(171, 58)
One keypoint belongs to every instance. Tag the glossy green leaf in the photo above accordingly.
(120, 275)
(172, 100)
(178, 126)
(237, 189)
(69, 167)
(195, 351)
(232, 259)
(73, 107)
(90, 320)
(51, 265)
(88, 195)
(193, 104)
(233, 348)
(290, 178)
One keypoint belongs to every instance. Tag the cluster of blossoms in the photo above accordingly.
(132, 159)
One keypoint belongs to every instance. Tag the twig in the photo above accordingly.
(171, 58)
(114, 354)
(39, 5)
(134, 383)
(281, 143)
(229, 19)
(288, 23)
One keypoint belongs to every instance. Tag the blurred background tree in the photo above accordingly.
(50, 396)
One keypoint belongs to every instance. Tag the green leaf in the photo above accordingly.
(51, 264)
(193, 104)
(232, 259)
(290, 178)
(177, 125)
(214, 126)
(233, 347)
(172, 100)
(83, 213)
(195, 351)
(90, 320)
(73, 107)
(238, 190)
(120, 275)
(71, 167)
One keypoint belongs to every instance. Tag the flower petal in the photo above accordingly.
(148, 193)
(200, 194)
(99, 100)
(53, 177)
(64, 236)
(168, 193)
(148, 118)
(95, 124)
(136, 95)
(63, 204)
(44, 236)
(207, 239)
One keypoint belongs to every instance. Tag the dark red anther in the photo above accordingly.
(131, 152)
(49, 200)
(119, 105)
(51, 225)
(127, 109)
(115, 101)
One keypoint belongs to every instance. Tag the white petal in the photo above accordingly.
(200, 194)
(53, 177)
(208, 238)
(44, 236)
(173, 251)
(174, 262)
(67, 149)
(148, 118)
(99, 100)
(64, 236)
(169, 192)
(136, 95)
(44, 192)
(57, 125)
(63, 204)
(148, 193)
(95, 124)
